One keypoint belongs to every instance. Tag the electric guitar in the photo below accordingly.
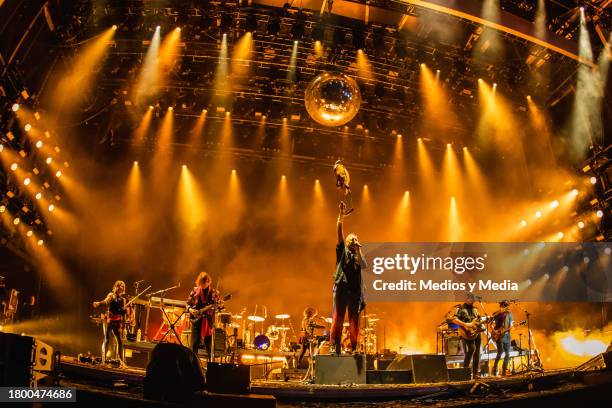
(195, 315)
(497, 334)
(476, 327)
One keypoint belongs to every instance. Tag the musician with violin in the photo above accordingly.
(502, 322)
(115, 318)
(468, 318)
(201, 303)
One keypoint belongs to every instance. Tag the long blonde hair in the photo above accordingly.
(117, 284)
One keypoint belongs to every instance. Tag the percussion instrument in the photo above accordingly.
(282, 316)
(225, 318)
(256, 319)
(261, 342)
(272, 332)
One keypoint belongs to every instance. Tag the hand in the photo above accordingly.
(96, 304)
(468, 326)
(342, 207)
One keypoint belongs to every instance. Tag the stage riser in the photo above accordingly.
(389, 377)
(345, 369)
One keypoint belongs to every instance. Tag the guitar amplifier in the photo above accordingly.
(343, 369)
(220, 338)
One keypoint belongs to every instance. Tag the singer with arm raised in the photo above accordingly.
(348, 287)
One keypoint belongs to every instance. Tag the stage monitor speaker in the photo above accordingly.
(228, 378)
(426, 368)
(173, 374)
(459, 374)
(343, 369)
(389, 377)
(16, 354)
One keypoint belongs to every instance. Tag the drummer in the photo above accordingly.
(309, 319)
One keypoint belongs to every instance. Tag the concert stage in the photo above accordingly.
(562, 387)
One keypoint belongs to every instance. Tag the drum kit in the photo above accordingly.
(250, 331)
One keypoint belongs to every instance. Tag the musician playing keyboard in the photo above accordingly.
(201, 296)
(466, 315)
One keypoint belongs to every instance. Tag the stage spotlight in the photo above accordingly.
(51, 207)
(593, 180)
(586, 259)
(135, 163)
(170, 108)
(15, 107)
(49, 160)
(523, 223)
(554, 204)
(599, 214)
(29, 233)
(580, 224)
(184, 166)
(365, 187)
(274, 26)
(574, 193)
(358, 39)
(16, 221)
(27, 127)
(226, 22)
(39, 144)
(297, 31)
(560, 235)
(14, 166)
(58, 174)
(538, 214)
(151, 107)
(318, 33)
(251, 22)
(2, 208)
(38, 196)
(607, 251)
(233, 171)
(40, 242)
(1, 147)
(26, 182)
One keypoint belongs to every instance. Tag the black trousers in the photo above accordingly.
(114, 327)
(472, 353)
(196, 338)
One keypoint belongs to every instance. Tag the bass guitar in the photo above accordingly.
(197, 314)
(497, 334)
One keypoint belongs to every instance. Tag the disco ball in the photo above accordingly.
(332, 99)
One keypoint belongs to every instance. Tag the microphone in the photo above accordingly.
(138, 282)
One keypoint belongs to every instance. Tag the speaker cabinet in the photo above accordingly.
(459, 374)
(16, 360)
(343, 369)
(228, 378)
(426, 368)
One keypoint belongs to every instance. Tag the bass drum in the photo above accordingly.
(261, 342)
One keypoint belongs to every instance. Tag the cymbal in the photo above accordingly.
(237, 316)
(282, 316)
(282, 328)
(328, 319)
(256, 318)
(234, 325)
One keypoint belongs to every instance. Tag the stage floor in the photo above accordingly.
(526, 386)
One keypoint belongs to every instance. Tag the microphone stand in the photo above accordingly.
(487, 347)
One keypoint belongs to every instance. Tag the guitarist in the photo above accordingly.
(115, 318)
(466, 315)
(502, 323)
(201, 296)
